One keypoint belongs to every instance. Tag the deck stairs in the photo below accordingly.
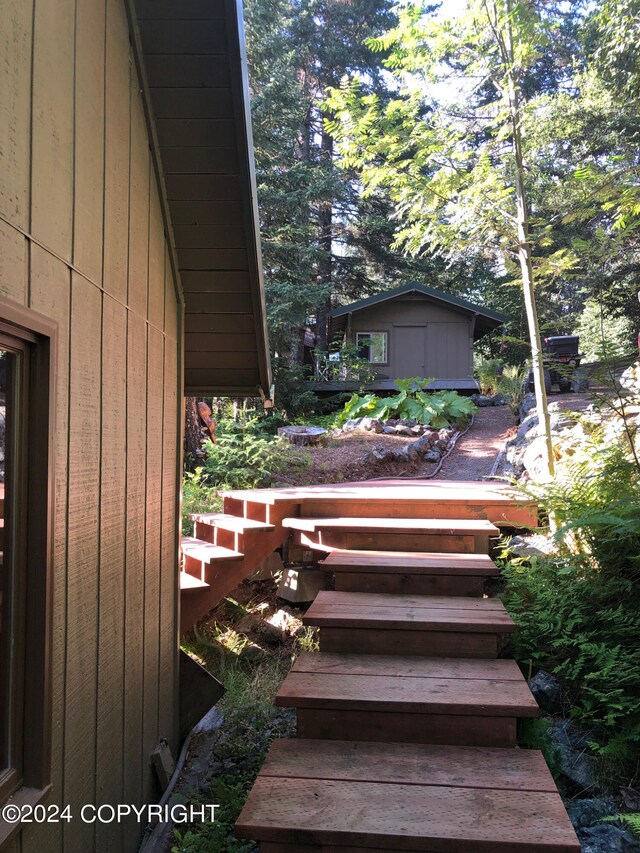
(407, 717)
(228, 546)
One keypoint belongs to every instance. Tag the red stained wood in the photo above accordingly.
(402, 583)
(411, 695)
(367, 641)
(414, 563)
(397, 817)
(447, 527)
(375, 601)
(402, 667)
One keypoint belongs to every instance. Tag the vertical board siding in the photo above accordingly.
(153, 518)
(51, 295)
(117, 124)
(89, 138)
(111, 613)
(135, 558)
(82, 242)
(14, 269)
(15, 111)
(83, 530)
(52, 124)
(139, 172)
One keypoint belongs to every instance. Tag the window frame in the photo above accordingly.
(32, 516)
(369, 334)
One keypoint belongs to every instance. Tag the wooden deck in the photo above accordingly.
(407, 719)
(413, 515)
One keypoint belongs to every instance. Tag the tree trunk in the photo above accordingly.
(325, 265)
(192, 430)
(524, 246)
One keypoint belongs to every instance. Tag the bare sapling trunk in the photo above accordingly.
(524, 248)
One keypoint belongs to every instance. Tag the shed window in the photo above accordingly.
(25, 552)
(372, 346)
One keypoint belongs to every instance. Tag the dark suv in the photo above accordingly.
(561, 356)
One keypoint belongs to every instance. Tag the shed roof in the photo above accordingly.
(486, 321)
(195, 74)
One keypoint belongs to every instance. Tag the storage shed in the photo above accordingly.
(129, 274)
(413, 330)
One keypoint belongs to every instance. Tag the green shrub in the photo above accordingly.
(197, 496)
(245, 456)
(437, 409)
(488, 373)
(578, 614)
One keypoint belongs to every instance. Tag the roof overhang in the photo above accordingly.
(194, 73)
(485, 320)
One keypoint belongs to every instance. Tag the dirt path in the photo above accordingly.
(475, 453)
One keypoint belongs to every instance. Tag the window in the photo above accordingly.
(372, 346)
(26, 343)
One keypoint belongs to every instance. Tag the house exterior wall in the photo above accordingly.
(425, 339)
(82, 241)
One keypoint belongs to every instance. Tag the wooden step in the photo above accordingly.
(498, 502)
(406, 797)
(460, 535)
(227, 530)
(435, 626)
(199, 556)
(407, 699)
(230, 522)
(189, 582)
(410, 572)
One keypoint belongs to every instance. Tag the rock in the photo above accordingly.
(351, 424)
(519, 546)
(534, 459)
(547, 691)
(580, 381)
(432, 455)
(578, 766)
(382, 454)
(389, 430)
(402, 429)
(252, 652)
(631, 799)
(392, 422)
(445, 434)
(607, 838)
(248, 624)
(527, 426)
(417, 429)
(528, 403)
(481, 400)
(273, 634)
(442, 445)
(423, 445)
(499, 400)
(377, 426)
(584, 813)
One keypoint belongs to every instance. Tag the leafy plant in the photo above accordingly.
(438, 409)
(632, 819)
(245, 457)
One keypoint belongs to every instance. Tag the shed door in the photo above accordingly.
(408, 355)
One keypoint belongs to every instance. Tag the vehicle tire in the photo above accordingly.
(547, 381)
(565, 385)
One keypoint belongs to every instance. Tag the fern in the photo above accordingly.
(632, 819)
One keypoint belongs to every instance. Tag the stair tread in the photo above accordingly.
(406, 817)
(407, 665)
(411, 764)
(233, 523)
(446, 526)
(410, 694)
(188, 582)
(409, 562)
(206, 552)
(386, 612)
(330, 598)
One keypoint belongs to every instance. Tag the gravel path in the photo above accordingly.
(475, 452)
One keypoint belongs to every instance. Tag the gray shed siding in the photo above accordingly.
(424, 339)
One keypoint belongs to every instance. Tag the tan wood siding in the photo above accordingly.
(108, 283)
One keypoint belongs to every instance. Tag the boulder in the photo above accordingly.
(607, 838)
(519, 546)
(389, 430)
(432, 455)
(382, 454)
(481, 400)
(577, 765)
(528, 403)
(584, 813)
(498, 400)
(351, 424)
(402, 429)
(423, 445)
(534, 459)
(547, 691)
